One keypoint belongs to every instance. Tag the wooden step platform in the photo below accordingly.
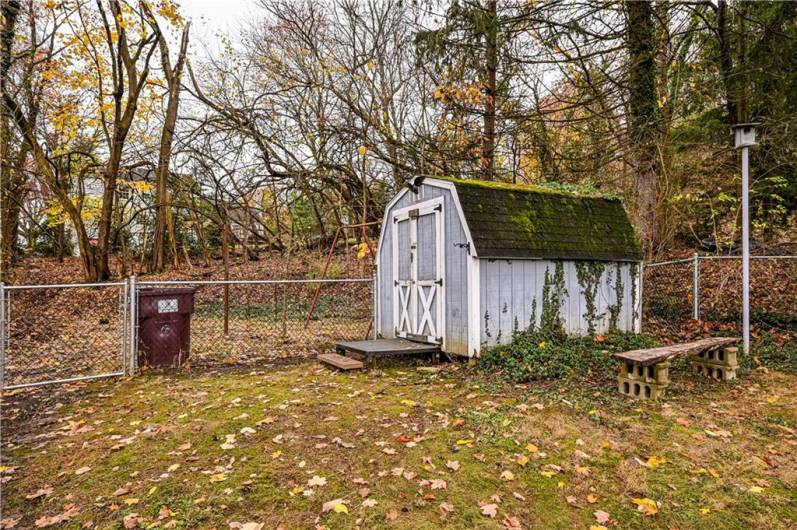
(387, 347)
(339, 361)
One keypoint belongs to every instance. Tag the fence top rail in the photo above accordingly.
(64, 286)
(671, 262)
(751, 257)
(254, 282)
(710, 257)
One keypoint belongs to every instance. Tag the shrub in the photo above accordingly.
(767, 352)
(533, 356)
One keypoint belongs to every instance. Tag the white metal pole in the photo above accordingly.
(745, 250)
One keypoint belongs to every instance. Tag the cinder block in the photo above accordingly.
(719, 365)
(718, 372)
(731, 356)
(725, 356)
(649, 374)
(662, 372)
(639, 388)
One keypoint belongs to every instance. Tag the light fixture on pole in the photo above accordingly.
(744, 138)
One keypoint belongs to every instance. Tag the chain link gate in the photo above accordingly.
(64, 332)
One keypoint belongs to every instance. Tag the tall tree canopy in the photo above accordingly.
(131, 145)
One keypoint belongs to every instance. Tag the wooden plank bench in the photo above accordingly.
(645, 373)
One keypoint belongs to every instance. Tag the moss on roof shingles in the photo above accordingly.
(509, 221)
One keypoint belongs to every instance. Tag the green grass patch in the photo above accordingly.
(397, 446)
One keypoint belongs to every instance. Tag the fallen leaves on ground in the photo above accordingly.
(335, 505)
(70, 511)
(438, 484)
(490, 510)
(41, 492)
(317, 481)
(601, 516)
(646, 506)
(132, 520)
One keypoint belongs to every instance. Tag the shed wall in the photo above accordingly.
(509, 289)
(455, 280)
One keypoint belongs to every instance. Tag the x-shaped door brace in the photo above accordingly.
(404, 308)
(426, 308)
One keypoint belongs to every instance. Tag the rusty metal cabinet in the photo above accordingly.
(164, 325)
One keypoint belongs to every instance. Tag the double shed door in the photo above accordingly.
(418, 265)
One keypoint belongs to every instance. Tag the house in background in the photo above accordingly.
(134, 195)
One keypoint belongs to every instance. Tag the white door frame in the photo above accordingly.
(402, 306)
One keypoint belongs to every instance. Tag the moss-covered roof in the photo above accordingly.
(511, 221)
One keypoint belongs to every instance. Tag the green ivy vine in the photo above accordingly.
(589, 275)
(553, 293)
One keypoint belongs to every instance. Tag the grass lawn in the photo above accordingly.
(399, 448)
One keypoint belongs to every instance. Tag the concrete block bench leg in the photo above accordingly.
(720, 364)
(644, 382)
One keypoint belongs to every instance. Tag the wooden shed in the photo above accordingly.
(466, 263)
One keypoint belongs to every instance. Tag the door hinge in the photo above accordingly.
(438, 208)
(439, 282)
(395, 283)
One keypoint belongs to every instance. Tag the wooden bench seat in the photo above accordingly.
(666, 353)
(645, 373)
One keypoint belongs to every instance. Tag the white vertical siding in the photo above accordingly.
(509, 288)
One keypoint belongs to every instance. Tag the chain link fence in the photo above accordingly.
(245, 322)
(61, 333)
(71, 332)
(709, 289)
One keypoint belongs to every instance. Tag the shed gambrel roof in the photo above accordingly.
(511, 221)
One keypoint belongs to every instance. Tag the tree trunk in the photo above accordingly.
(9, 12)
(726, 60)
(13, 194)
(164, 229)
(643, 120)
(490, 74)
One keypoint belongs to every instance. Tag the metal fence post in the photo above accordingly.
(133, 290)
(125, 321)
(695, 287)
(375, 308)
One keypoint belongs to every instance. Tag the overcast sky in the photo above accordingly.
(208, 17)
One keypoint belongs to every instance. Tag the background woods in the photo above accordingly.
(131, 146)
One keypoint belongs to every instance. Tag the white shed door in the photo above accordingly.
(418, 272)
